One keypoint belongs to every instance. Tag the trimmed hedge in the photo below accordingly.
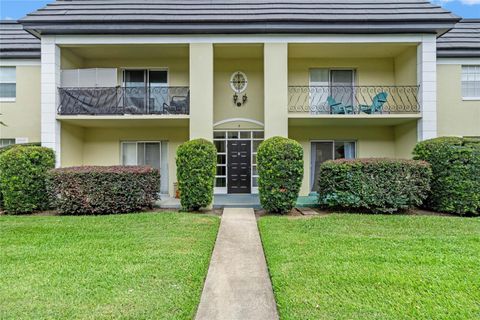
(280, 170)
(456, 174)
(103, 190)
(23, 171)
(373, 185)
(196, 166)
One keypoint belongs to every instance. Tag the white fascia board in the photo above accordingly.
(237, 38)
(19, 62)
(463, 61)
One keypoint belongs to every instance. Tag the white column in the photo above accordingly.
(275, 70)
(427, 80)
(201, 91)
(50, 81)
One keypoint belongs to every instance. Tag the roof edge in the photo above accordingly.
(71, 28)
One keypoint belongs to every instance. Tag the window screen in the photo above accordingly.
(8, 86)
(471, 81)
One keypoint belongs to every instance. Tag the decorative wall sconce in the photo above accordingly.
(238, 83)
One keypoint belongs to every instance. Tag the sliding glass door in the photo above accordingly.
(319, 90)
(153, 154)
(322, 151)
(146, 91)
(157, 90)
(135, 90)
(335, 83)
(342, 82)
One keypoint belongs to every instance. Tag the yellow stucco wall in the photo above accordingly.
(405, 67)
(71, 145)
(372, 141)
(276, 89)
(201, 90)
(367, 71)
(224, 108)
(70, 60)
(405, 139)
(101, 146)
(22, 117)
(455, 117)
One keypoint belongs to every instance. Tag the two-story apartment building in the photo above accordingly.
(128, 82)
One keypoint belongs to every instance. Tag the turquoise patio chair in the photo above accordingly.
(377, 104)
(338, 107)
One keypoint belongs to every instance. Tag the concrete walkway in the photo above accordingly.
(237, 285)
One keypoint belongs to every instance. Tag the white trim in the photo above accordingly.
(232, 85)
(50, 80)
(236, 38)
(238, 120)
(226, 139)
(464, 61)
(20, 140)
(427, 81)
(8, 99)
(220, 190)
(471, 98)
(19, 62)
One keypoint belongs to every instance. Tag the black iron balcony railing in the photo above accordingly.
(353, 99)
(124, 100)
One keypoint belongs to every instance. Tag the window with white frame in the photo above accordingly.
(471, 82)
(322, 151)
(6, 142)
(8, 85)
(147, 153)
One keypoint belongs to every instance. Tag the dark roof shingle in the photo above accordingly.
(16, 43)
(241, 16)
(462, 41)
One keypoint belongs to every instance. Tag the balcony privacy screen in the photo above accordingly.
(120, 100)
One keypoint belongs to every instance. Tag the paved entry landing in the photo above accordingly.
(237, 285)
(236, 201)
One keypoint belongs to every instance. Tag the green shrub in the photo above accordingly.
(373, 185)
(11, 146)
(196, 165)
(280, 170)
(6, 148)
(103, 190)
(22, 178)
(455, 164)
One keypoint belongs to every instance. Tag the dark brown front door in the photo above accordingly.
(239, 171)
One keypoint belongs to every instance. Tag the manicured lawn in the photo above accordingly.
(374, 267)
(136, 266)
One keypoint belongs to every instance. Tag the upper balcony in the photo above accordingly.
(112, 82)
(353, 83)
(150, 100)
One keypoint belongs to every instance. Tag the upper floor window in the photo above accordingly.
(8, 87)
(471, 82)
